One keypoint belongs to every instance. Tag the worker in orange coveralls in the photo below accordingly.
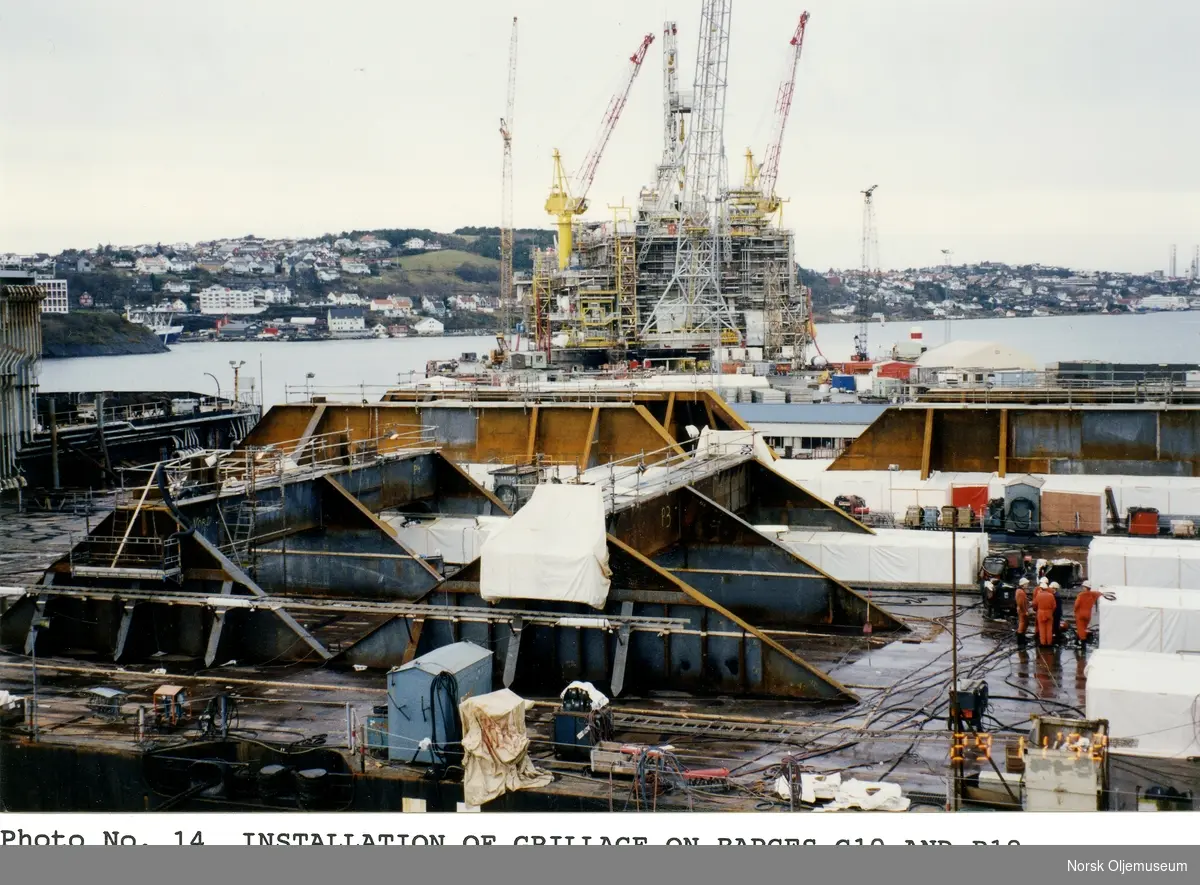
(1045, 603)
(1084, 604)
(1021, 598)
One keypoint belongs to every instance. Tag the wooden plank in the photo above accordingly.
(927, 444)
(670, 411)
(1003, 465)
(586, 460)
(531, 445)
(410, 651)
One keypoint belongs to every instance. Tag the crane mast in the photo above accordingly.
(507, 298)
(869, 270)
(669, 179)
(561, 203)
(769, 172)
(692, 308)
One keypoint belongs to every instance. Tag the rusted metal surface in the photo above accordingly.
(750, 574)
(1152, 439)
(497, 432)
(708, 650)
(694, 584)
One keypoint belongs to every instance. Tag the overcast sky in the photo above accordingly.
(1059, 131)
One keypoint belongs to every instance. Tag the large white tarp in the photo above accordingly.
(1144, 562)
(1149, 700)
(496, 747)
(1149, 619)
(720, 443)
(892, 557)
(554, 548)
(457, 539)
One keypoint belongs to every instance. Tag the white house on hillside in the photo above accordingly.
(429, 326)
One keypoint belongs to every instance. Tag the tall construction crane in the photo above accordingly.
(869, 257)
(507, 298)
(669, 175)
(561, 203)
(768, 173)
(692, 302)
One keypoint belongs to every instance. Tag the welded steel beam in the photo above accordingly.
(752, 575)
(763, 496)
(657, 632)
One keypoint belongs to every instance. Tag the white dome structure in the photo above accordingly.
(990, 355)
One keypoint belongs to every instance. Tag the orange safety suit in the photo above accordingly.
(1083, 612)
(1045, 603)
(1022, 600)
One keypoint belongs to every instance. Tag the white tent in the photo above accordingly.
(1149, 701)
(1149, 619)
(1144, 562)
(891, 557)
(555, 547)
(976, 355)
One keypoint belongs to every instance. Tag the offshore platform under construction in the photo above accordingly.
(698, 269)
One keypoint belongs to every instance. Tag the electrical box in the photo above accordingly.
(972, 702)
(1066, 764)
(1143, 521)
(416, 711)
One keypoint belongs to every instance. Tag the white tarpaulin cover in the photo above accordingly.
(555, 547)
(496, 747)
(1151, 701)
(1144, 562)
(891, 557)
(718, 443)
(599, 699)
(1150, 619)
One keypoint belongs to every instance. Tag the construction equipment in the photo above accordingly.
(562, 203)
(498, 356)
(692, 304)
(767, 174)
(869, 270)
(662, 200)
(171, 706)
(506, 191)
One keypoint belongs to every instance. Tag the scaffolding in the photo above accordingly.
(541, 298)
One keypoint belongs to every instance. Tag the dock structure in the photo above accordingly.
(1146, 439)
(20, 363)
(286, 549)
(82, 439)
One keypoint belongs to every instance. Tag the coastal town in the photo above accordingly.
(347, 286)
(419, 283)
(993, 289)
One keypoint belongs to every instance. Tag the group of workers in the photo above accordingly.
(1046, 607)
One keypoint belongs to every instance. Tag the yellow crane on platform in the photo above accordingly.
(561, 203)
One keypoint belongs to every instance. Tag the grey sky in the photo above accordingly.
(1059, 131)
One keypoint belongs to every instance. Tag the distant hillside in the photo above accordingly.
(447, 260)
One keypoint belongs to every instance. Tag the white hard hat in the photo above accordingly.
(1054, 585)
(1022, 582)
(1043, 582)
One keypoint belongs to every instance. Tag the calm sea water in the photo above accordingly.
(1163, 337)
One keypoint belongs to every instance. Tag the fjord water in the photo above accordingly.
(1160, 337)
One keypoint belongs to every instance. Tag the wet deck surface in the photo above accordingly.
(896, 732)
